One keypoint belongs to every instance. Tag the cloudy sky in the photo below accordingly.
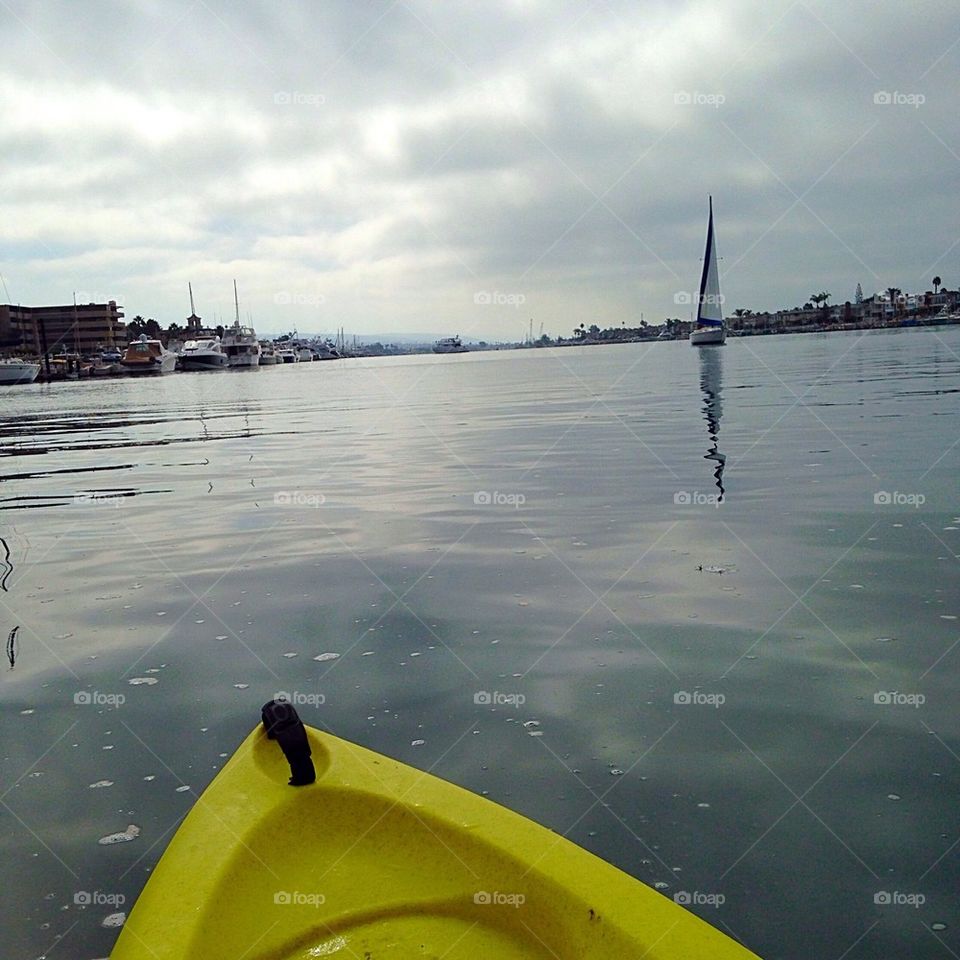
(460, 166)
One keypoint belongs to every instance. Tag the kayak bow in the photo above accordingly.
(379, 860)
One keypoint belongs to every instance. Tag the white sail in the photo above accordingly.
(709, 325)
(709, 307)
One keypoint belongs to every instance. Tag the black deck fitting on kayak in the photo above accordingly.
(281, 723)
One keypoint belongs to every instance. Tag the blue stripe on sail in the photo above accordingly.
(703, 322)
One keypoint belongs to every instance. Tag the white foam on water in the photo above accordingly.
(131, 833)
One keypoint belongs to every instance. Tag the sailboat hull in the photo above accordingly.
(707, 336)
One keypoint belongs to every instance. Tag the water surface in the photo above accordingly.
(698, 569)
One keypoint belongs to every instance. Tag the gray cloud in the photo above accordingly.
(392, 159)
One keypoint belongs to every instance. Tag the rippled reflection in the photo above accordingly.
(711, 383)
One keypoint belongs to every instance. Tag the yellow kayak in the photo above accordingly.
(378, 860)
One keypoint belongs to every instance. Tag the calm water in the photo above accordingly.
(189, 545)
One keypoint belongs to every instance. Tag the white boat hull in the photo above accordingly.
(13, 373)
(707, 336)
(203, 361)
(166, 364)
(245, 360)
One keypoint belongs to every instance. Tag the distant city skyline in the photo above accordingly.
(403, 166)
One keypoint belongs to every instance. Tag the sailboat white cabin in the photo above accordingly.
(709, 326)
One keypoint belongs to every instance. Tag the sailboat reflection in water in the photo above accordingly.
(711, 383)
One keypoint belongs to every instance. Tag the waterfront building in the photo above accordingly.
(82, 328)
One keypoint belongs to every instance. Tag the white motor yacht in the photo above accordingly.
(240, 343)
(203, 355)
(449, 345)
(148, 356)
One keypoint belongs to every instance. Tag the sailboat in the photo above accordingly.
(709, 326)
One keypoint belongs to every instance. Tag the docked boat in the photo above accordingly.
(268, 355)
(148, 356)
(305, 354)
(709, 330)
(325, 350)
(306, 845)
(449, 345)
(203, 355)
(240, 343)
(15, 371)
(289, 355)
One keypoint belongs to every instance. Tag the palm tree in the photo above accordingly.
(135, 327)
(820, 298)
(936, 284)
